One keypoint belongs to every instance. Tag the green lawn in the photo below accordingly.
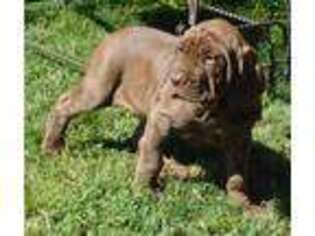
(86, 190)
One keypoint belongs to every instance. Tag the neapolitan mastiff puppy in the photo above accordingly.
(204, 86)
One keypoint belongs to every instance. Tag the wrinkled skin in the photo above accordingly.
(204, 86)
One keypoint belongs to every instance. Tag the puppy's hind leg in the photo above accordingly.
(88, 95)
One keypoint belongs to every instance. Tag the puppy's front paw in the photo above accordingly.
(236, 191)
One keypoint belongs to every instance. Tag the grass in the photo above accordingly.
(86, 190)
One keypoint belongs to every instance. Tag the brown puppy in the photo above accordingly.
(203, 86)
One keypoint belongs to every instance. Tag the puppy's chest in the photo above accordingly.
(197, 123)
(201, 131)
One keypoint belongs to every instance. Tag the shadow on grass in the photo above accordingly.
(88, 10)
(161, 16)
(164, 17)
(269, 176)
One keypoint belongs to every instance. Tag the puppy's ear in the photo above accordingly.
(249, 69)
(246, 58)
(218, 74)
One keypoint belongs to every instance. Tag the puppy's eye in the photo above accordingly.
(176, 78)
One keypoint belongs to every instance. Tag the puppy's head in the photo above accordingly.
(217, 58)
(202, 61)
